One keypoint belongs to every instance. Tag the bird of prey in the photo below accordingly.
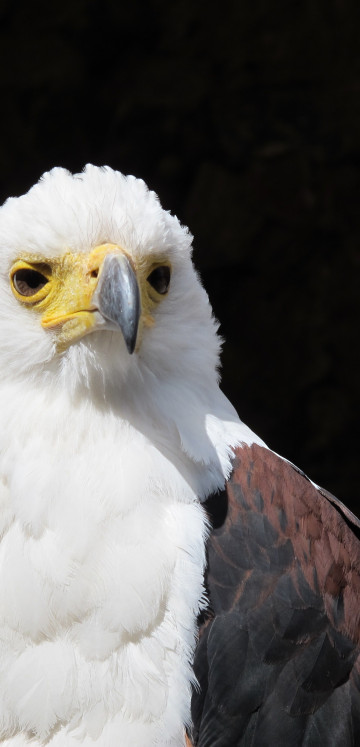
(140, 603)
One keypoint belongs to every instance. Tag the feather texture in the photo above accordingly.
(278, 660)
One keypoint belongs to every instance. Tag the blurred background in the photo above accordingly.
(244, 117)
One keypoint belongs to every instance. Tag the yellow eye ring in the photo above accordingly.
(29, 284)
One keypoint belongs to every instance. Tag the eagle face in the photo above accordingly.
(96, 276)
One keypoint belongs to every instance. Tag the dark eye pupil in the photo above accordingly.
(159, 279)
(28, 282)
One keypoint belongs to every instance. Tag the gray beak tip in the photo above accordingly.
(118, 297)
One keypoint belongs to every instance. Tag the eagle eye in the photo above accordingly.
(159, 279)
(28, 282)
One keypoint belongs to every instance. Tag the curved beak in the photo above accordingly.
(117, 297)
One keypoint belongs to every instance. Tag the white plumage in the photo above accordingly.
(105, 458)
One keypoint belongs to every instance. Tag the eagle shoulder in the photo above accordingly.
(278, 658)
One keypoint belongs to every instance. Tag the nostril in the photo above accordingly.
(94, 273)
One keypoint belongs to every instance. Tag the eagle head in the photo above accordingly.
(97, 282)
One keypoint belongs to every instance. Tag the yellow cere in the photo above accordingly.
(61, 289)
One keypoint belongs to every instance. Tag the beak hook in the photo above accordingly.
(117, 297)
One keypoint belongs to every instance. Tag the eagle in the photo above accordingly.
(166, 579)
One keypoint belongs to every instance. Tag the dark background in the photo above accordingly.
(244, 116)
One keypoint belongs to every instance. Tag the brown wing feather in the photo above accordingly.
(278, 656)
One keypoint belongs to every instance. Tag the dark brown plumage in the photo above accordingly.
(278, 657)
